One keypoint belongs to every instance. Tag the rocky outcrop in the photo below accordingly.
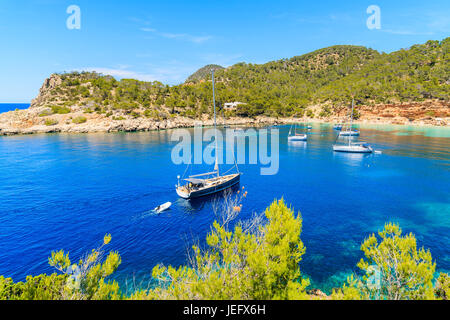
(29, 122)
(45, 93)
(430, 112)
(317, 294)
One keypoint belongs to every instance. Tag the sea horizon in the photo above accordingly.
(6, 107)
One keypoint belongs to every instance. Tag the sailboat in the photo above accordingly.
(212, 182)
(352, 147)
(297, 136)
(349, 131)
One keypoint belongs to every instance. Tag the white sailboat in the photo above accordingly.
(297, 136)
(208, 183)
(351, 147)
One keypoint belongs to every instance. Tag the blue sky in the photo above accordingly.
(169, 40)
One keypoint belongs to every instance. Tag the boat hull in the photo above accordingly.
(163, 207)
(302, 137)
(349, 133)
(353, 149)
(210, 190)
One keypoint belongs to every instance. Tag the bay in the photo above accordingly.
(67, 191)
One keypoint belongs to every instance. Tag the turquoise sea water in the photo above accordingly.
(67, 191)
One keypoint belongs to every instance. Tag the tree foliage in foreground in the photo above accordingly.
(256, 264)
(395, 269)
(258, 259)
(85, 280)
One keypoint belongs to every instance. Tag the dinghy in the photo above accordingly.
(162, 207)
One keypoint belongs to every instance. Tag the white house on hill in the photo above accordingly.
(231, 105)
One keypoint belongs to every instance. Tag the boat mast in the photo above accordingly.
(216, 167)
(351, 121)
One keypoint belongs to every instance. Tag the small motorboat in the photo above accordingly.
(162, 207)
(337, 127)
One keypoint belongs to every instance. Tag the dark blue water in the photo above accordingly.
(67, 191)
(5, 107)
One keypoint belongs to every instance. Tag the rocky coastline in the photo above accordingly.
(53, 112)
(25, 122)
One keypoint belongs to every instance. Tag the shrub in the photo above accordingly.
(260, 263)
(443, 287)
(60, 109)
(395, 269)
(45, 113)
(310, 113)
(356, 115)
(135, 114)
(79, 120)
(51, 122)
(325, 112)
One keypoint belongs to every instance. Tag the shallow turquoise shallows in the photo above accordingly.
(68, 191)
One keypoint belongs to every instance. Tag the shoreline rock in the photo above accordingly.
(31, 121)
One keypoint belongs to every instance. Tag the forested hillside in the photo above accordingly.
(203, 73)
(328, 77)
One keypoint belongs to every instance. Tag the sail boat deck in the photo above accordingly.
(201, 187)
